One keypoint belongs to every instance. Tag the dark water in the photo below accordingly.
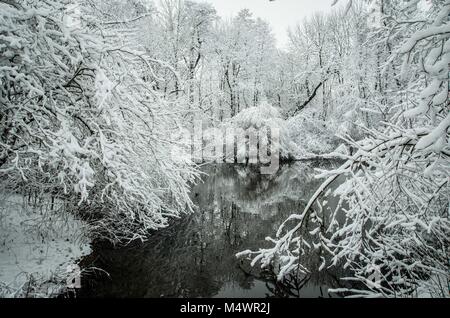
(237, 208)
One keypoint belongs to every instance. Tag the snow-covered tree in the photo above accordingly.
(81, 121)
(392, 225)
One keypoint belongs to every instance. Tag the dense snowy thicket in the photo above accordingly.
(395, 197)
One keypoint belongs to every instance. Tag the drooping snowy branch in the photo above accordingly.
(393, 217)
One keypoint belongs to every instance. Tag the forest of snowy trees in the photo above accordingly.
(96, 96)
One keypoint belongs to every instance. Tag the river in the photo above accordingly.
(236, 208)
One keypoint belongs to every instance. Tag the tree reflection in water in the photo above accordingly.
(195, 257)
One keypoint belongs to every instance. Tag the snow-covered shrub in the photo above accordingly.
(258, 117)
(260, 120)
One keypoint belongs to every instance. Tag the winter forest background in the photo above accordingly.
(96, 97)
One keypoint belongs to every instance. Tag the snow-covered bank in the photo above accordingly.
(36, 247)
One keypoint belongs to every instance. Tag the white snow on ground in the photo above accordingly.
(36, 248)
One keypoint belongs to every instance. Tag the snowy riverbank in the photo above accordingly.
(36, 247)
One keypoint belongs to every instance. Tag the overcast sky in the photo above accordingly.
(279, 13)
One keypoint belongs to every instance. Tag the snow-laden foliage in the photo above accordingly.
(392, 226)
(300, 137)
(81, 120)
(96, 97)
(235, 134)
(311, 136)
(258, 117)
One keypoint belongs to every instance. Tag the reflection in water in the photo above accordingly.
(237, 208)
